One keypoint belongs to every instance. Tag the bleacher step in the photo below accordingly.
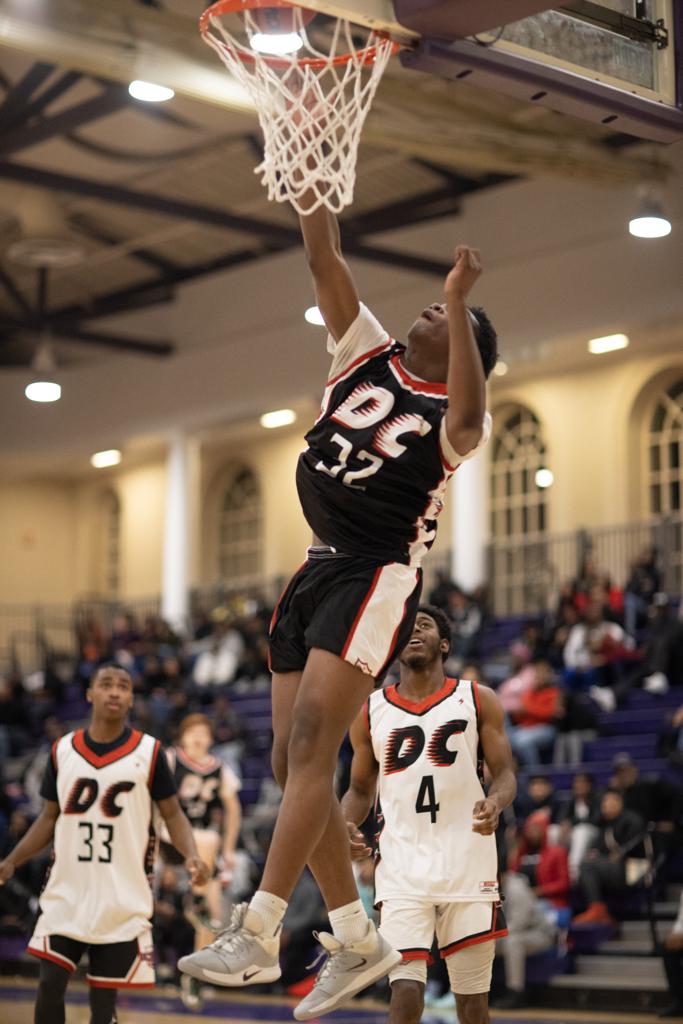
(614, 971)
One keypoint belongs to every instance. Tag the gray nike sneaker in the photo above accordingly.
(240, 955)
(347, 970)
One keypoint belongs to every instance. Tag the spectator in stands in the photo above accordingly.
(662, 662)
(592, 655)
(557, 633)
(529, 931)
(217, 664)
(511, 691)
(15, 723)
(438, 595)
(671, 738)
(466, 619)
(538, 795)
(544, 864)
(604, 870)
(579, 818)
(673, 965)
(654, 799)
(643, 583)
(577, 723)
(533, 732)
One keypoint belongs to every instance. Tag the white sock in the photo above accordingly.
(349, 923)
(271, 909)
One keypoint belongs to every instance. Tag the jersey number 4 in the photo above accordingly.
(426, 798)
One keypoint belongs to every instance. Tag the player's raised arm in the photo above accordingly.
(36, 839)
(498, 757)
(466, 380)
(335, 290)
(358, 800)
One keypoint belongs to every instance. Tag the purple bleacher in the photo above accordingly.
(640, 746)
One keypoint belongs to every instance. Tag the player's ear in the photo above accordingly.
(88, 695)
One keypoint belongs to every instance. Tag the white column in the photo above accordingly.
(470, 519)
(176, 556)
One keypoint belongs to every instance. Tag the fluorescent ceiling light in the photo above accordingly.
(149, 92)
(501, 368)
(276, 42)
(610, 343)
(544, 478)
(314, 316)
(43, 391)
(279, 418)
(110, 457)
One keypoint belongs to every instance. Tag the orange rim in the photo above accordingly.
(221, 7)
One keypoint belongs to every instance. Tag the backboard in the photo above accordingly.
(612, 62)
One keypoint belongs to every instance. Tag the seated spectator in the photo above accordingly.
(662, 661)
(643, 583)
(593, 653)
(557, 633)
(511, 691)
(466, 617)
(652, 798)
(534, 729)
(538, 795)
(671, 737)
(578, 818)
(604, 870)
(544, 865)
(673, 965)
(529, 931)
(217, 663)
(577, 723)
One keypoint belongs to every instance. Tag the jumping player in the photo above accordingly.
(100, 787)
(437, 869)
(207, 790)
(395, 422)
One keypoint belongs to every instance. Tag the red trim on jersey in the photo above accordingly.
(361, 359)
(354, 627)
(477, 699)
(82, 748)
(54, 755)
(120, 984)
(475, 940)
(195, 766)
(61, 961)
(155, 754)
(392, 648)
(417, 954)
(418, 707)
(424, 386)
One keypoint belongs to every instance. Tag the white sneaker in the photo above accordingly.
(347, 970)
(603, 697)
(241, 955)
(656, 683)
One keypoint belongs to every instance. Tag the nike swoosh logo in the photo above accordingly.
(358, 966)
(248, 977)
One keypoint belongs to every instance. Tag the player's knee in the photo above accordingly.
(473, 1008)
(407, 1002)
(278, 761)
(308, 747)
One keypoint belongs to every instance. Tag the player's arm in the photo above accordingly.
(358, 800)
(335, 290)
(36, 839)
(466, 383)
(498, 756)
(232, 811)
(182, 837)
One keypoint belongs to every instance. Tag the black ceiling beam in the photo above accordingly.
(114, 341)
(63, 84)
(83, 113)
(180, 209)
(12, 290)
(87, 227)
(438, 202)
(16, 98)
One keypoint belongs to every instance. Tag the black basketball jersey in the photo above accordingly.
(373, 479)
(199, 789)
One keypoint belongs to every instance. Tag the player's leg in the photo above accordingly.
(52, 984)
(465, 934)
(204, 896)
(115, 965)
(408, 925)
(103, 1005)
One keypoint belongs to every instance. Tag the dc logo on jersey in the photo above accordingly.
(405, 745)
(84, 793)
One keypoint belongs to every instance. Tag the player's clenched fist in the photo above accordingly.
(485, 817)
(465, 273)
(197, 870)
(359, 848)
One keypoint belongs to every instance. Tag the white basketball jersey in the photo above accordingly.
(429, 782)
(98, 888)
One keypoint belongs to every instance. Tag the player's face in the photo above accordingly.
(425, 645)
(111, 694)
(430, 330)
(197, 741)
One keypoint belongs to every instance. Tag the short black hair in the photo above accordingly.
(487, 339)
(443, 624)
(108, 666)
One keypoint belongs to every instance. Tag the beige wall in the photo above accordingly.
(36, 542)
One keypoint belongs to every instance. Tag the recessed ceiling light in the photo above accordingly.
(314, 316)
(278, 418)
(276, 42)
(110, 457)
(610, 343)
(650, 221)
(43, 391)
(150, 92)
(544, 478)
(501, 368)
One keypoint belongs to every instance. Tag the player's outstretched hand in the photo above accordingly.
(6, 871)
(466, 271)
(485, 817)
(359, 848)
(197, 870)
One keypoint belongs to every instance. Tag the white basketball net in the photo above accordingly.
(311, 116)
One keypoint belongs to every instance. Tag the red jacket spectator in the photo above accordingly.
(546, 866)
(540, 705)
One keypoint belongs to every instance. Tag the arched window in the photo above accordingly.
(519, 517)
(665, 442)
(240, 530)
(111, 543)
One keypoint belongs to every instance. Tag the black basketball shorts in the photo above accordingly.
(111, 964)
(348, 605)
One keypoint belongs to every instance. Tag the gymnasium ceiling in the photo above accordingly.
(180, 249)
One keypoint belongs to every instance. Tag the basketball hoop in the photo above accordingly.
(311, 103)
